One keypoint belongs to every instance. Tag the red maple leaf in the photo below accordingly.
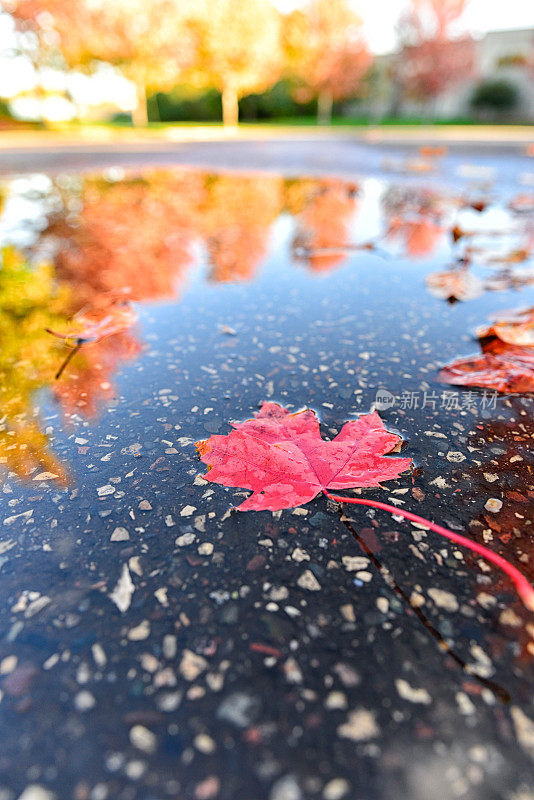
(501, 366)
(282, 457)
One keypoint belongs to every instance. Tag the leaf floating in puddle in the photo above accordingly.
(506, 363)
(508, 372)
(517, 256)
(433, 151)
(282, 457)
(96, 324)
(455, 284)
(513, 327)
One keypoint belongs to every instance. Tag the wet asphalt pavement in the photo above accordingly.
(155, 643)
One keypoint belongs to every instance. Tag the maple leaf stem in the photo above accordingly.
(68, 358)
(524, 589)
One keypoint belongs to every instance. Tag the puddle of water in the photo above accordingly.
(233, 276)
(246, 287)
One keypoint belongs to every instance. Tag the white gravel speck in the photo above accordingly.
(336, 789)
(192, 665)
(204, 743)
(187, 511)
(140, 632)
(360, 726)
(308, 581)
(143, 739)
(411, 694)
(455, 456)
(36, 792)
(161, 595)
(286, 788)
(120, 535)
(185, 539)
(524, 729)
(354, 563)
(84, 701)
(123, 591)
(37, 605)
(444, 599)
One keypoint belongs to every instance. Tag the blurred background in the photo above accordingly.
(139, 62)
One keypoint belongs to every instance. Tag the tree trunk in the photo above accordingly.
(325, 101)
(230, 107)
(397, 102)
(140, 113)
(153, 105)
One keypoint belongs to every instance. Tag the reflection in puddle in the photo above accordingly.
(132, 599)
(144, 236)
(30, 300)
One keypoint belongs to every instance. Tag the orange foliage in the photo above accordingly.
(235, 223)
(324, 224)
(132, 237)
(87, 384)
(238, 49)
(325, 50)
(133, 240)
(128, 33)
(420, 237)
(430, 61)
(417, 218)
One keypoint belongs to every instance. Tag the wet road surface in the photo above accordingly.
(155, 643)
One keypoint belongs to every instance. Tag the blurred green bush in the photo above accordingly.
(496, 95)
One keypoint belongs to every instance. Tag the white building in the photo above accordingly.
(499, 55)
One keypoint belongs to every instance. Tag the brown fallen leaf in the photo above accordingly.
(513, 327)
(501, 366)
(522, 203)
(511, 257)
(454, 284)
(433, 151)
(508, 278)
(95, 324)
(477, 205)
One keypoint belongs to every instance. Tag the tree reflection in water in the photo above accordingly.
(136, 236)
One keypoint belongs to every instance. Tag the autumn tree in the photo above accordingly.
(415, 219)
(238, 49)
(87, 385)
(146, 39)
(30, 301)
(132, 236)
(325, 52)
(430, 61)
(130, 239)
(324, 223)
(235, 223)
